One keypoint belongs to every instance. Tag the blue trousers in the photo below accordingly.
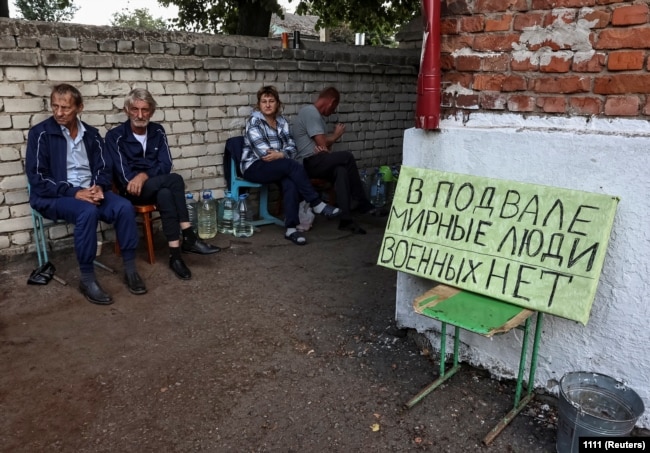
(293, 180)
(85, 216)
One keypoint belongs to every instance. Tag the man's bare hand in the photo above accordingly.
(93, 195)
(339, 129)
(97, 193)
(321, 149)
(134, 187)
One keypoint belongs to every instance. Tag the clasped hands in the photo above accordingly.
(93, 194)
(272, 154)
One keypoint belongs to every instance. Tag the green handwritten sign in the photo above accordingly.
(534, 246)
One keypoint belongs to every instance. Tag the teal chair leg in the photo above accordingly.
(39, 238)
(265, 217)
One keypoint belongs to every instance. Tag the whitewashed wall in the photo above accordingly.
(595, 155)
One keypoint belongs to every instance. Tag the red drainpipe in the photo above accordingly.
(427, 107)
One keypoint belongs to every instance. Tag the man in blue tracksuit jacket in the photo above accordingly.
(143, 163)
(70, 174)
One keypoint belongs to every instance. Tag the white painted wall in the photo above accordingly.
(595, 155)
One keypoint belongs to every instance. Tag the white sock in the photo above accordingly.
(290, 231)
(319, 207)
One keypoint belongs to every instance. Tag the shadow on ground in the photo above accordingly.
(270, 347)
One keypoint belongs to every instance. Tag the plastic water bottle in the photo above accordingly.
(395, 172)
(387, 176)
(365, 182)
(207, 216)
(378, 191)
(227, 211)
(192, 210)
(242, 227)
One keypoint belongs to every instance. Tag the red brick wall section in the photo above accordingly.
(553, 57)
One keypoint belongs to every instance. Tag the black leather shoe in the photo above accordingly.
(200, 248)
(95, 294)
(180, 269)
(134, 283)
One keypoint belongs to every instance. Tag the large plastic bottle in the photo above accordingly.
(228, 206)
(207, 216)
(365, 182)
(378, 191)
(387, 176)
(395, 170)
(192, 210)
(242, 227)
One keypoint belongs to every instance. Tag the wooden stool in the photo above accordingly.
(145, 211)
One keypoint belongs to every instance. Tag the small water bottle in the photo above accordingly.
(242, 227)
(378, 191)
(227, 211)
(192, 211)
(207, 216)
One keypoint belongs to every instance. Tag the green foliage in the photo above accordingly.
(378, 19)
(47, 10)
(224, 16)
(139, 18)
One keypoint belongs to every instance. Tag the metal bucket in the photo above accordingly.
(593, 404)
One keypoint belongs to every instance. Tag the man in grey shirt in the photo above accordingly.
(314, 145)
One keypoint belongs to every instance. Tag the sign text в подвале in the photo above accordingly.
(535, 246)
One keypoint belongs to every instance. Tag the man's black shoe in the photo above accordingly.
(200, 248)
(134, 283)
(179, 267)
(94, 293)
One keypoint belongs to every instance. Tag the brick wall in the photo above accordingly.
(558, 57)
(205, 86)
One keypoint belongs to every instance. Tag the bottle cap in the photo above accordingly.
(387, 175)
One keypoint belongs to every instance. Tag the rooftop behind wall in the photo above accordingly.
(205, 87)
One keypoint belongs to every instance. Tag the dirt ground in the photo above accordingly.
(270, 347)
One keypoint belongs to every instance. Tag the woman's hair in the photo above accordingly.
(269, 90)
(140, 94)
(64, 89)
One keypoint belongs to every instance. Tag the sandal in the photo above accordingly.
(297, 238)
(330, 212)
(351, 225)
(376, 212)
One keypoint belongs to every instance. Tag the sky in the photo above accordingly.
(94, 12)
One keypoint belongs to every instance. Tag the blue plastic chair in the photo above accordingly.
(38, 221)
(234, 148)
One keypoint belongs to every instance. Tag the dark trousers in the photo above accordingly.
(167, 192)
(341, 169)
(85, 216)
(293, 180)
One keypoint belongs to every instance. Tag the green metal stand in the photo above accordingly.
(520, 404)
(485, 316)
(443, 375)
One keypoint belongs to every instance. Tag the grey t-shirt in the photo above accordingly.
(305, 125)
